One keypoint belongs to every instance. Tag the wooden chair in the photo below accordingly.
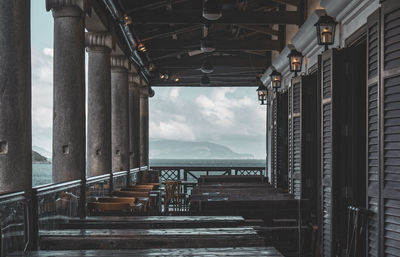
(172, 194)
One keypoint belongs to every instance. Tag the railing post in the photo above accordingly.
(185, 179)
(31, 222)
(82, 199)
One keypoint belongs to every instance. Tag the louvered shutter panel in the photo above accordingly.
(297, 138)
(274, 144)
(290, 140)
(282, 143)
(373, 58)
(328, 60)
(390, 126)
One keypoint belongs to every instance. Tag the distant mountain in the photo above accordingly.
(175, 149)
(38, 158)
(42, 151)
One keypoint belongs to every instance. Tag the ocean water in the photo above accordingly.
(41, 173)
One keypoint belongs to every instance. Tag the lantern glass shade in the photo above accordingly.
(295, 61)
(276, 79)
(326, 30)
(261, 96)
(262, 93)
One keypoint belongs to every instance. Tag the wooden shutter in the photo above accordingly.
(290, 140)
(274, 164)
(372, 204)
(282, 141)
(390, 127)
(327, 137)
(297, 137)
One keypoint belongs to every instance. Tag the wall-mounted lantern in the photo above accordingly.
(276, 79)
(295, 61)
(326, 30)
(262, 92)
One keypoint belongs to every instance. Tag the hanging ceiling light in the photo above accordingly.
(126, 19)
(212, 10)
(152, 67)
(207, 67)
(151, 92)
(295, 61)
(326, 30)
(276, 78)
(141, 47)
(207, 46)
(204, 81)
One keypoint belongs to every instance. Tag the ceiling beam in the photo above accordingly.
(259, 29)
(221, 45)
(291, 2)
(195, 17)
(218, 71)
(251, 62)
(181, 30)
(197, 84)
(153, 5)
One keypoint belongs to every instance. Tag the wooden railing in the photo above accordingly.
(194, 173)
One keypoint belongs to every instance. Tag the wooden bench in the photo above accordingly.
(139, 188)
(152, 238)
(115, 205)
(237, 251)
(103, 207)
(147, 222)
(231, 178)
(131, 193)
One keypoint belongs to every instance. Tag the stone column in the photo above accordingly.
(99, 103)
(15, 97)
(134, 121)
(144, 125)
(69, 90)
(119, 113)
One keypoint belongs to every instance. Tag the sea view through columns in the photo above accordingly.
(41, 172)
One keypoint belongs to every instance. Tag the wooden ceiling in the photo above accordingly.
(244, 37)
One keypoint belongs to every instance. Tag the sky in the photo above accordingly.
(227, 116)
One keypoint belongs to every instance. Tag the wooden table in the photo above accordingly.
(87, 239)
(239, 251)
(146, 222)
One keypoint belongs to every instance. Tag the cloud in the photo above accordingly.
(42, 97)
(174, 93)
(229, 116)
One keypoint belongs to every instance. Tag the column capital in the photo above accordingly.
(144, 91)
(56, 4)
(98, 41)
(134, 79)
(120, 62)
